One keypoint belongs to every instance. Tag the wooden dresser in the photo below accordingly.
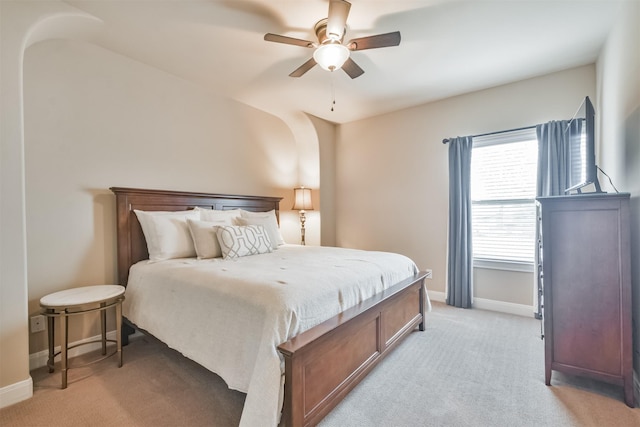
(586, 282)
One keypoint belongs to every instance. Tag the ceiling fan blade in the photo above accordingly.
(374, 42)
(352, 69)
(287, 40)
(298, 72)
(337, 19)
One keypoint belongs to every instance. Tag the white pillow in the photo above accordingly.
(268, 220)
(205, 238)
(167, 233)
(238, 241)
(215, 215)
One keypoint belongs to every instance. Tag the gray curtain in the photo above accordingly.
(460, 268)
(552, 158)
(552, 178)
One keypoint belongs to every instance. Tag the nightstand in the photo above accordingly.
(78, 301)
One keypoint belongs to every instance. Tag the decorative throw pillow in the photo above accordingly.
(167, 233)
(215, 215)
(205, 238)
(268, 220)
(238, 241)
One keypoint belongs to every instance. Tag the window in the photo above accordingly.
(503, 190)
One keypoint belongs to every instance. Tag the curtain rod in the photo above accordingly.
(446, 140)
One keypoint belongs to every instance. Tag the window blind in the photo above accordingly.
(503, 188)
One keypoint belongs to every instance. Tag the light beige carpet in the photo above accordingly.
(469, 368)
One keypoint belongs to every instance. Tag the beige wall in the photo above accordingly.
(325, 200)
(21, 25)
(95, 119)
(392, 171)
(619, 112)
(505, 286)
(63, 144)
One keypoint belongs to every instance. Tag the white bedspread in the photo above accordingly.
(230, 315)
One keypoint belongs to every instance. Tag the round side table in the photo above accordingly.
(71, 302)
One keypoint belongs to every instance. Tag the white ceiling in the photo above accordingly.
(448, 47)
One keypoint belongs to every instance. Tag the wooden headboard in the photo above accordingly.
(131, 245)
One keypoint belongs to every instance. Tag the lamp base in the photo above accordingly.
(302, 221)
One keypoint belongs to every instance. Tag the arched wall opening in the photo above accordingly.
(290, 153)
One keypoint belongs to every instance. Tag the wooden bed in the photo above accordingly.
(323, 363)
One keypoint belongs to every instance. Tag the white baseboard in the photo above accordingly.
(23, 390)
(39, 359)
(489, 304)
(16, 392)
(503, 307)
(437, 296)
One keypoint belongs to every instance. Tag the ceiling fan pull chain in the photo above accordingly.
(333, 93)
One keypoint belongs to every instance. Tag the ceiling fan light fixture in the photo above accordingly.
(331, 55)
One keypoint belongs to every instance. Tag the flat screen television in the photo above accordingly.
(581, 151)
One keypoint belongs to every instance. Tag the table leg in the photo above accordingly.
(119, 332)
(103, 327)
(51, 334)
(64, 341)
(421, 295)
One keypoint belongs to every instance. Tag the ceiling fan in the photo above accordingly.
(330, 51)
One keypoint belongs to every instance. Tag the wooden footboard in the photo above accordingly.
(324, 363)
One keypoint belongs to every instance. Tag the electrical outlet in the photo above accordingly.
(429, 274)
(37, 323)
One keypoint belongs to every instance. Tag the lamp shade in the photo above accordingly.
(331, 55)
(302, 199)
